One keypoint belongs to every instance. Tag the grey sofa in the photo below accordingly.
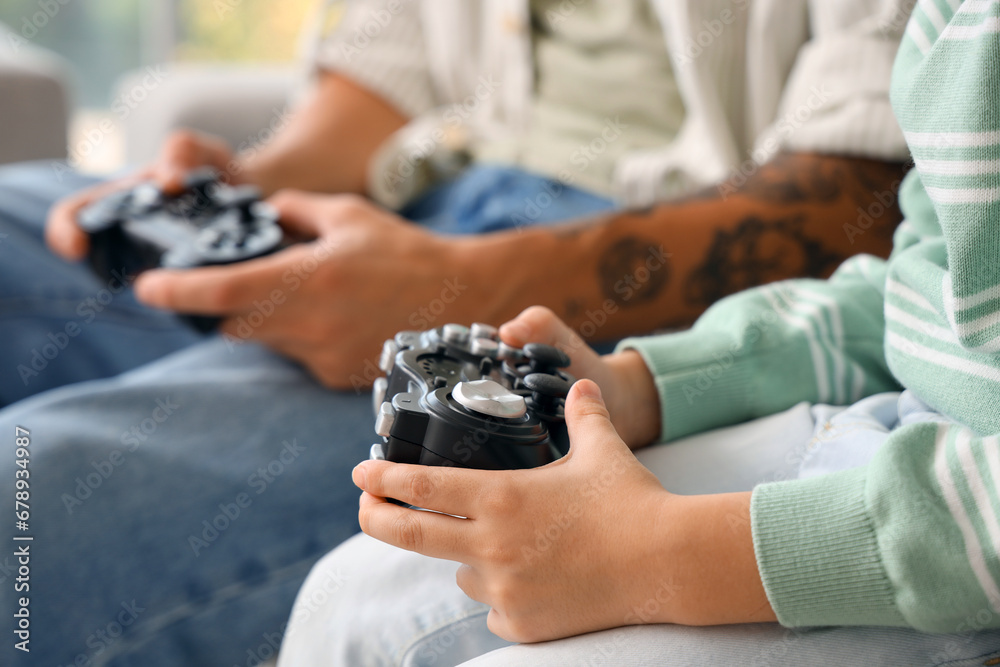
(243, 104)
(34, 102)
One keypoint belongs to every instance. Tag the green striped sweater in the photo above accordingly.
(912, 538)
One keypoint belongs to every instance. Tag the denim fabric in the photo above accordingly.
(176, 507)
(490, 198)
(61, 325)
(367, 604)
(58, 322)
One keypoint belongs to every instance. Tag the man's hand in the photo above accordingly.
(330, 302)
(624, 378)
(589, 542)
(181, 153)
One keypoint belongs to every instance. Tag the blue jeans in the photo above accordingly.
(368, 604)
(180, 488)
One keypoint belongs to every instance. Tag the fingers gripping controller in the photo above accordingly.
(457, 396)
(207, 223)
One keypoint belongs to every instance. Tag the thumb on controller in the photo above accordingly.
(589, 423)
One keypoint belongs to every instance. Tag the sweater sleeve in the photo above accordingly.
(912, 538)
(761, 351)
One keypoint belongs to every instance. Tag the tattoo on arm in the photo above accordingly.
(796, 178)
(755, 252)
(634, 271)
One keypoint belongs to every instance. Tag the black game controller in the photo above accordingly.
(207, 223)
(457, 396)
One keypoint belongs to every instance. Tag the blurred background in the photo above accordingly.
(124, 68)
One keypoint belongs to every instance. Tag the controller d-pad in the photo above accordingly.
(489, 398)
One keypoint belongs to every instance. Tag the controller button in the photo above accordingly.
(388, 357)
(547, 385)
(486, 347)
(378, 392)
(489, 398)
(512, 354)
(480, 330)
(545, 357)
(377, 453)
(455, 334)
(385, 419)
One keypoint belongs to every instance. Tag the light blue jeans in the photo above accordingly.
(180, 488)
(367, 604)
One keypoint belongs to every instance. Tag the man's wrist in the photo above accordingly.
(504, 275)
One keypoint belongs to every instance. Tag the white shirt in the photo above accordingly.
(756, 78)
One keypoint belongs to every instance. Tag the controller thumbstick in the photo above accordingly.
(546, 390)
(200, 179)
(545, 358)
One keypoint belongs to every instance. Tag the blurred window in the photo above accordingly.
(103, 39)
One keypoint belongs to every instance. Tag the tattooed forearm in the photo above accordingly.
(634, 271)
(638, 270)
(757, 251)
(792, 178)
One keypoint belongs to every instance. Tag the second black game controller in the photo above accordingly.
(457, 396)
(207, 223)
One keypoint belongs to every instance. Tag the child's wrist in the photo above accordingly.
(636, 402)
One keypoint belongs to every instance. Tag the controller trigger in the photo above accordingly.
(388, 356)
(385, 419)
(379, 388)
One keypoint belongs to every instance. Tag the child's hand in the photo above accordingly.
(548, 549)
(624, 379)
(589, 542)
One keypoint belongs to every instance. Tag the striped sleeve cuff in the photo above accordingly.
(380, 45)
(818, 553)
(706, 380)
